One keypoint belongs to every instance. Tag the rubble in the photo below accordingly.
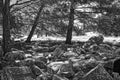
(91, 61)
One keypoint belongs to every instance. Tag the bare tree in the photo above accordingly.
(6, 28)
(71, 23)
(34, 24)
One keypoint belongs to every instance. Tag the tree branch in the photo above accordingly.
(22, 7)
(17, 3)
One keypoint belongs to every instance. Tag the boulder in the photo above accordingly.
(88, 65)
(17, 73)
(66, 70)
(97, 73)
(96, 39)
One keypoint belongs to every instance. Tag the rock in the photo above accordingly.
(40, 64)
(39, 78)
(96, 56)
(43, 59)
(55, 65)
(36, 70)
(79, 75)
(17, 73)
(56, 77)
(97, 73)
(109, 66)
(88, 65)
(66, 70)
(76, 67)
(104, 48)
(86, 45)
(28, 55)
(116, 76)
(18, 63)
(44, 77)
(96, 39)
(79, 51)
(57, 52)
(117, 52)
(64, 46)
(116, 66)
(15, 55)
(28, 61)
(50, 70)
(41, 49)
(27, 47)
(84, 65)
(94, 47)
(70, 54)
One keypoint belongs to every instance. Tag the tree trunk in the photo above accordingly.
(71, 24)
(34, 24)
(1, 6)
(6, 28)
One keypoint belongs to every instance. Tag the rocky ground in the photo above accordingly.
(54, 60)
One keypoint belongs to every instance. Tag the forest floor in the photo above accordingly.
(50, 59)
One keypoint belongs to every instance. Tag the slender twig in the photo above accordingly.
(22, 7)
(17, 3)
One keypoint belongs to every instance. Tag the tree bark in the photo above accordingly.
(71, 24)
(1, 6)
(34, 25)
(6, 28)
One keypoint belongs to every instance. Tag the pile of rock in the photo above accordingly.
(67, 62)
